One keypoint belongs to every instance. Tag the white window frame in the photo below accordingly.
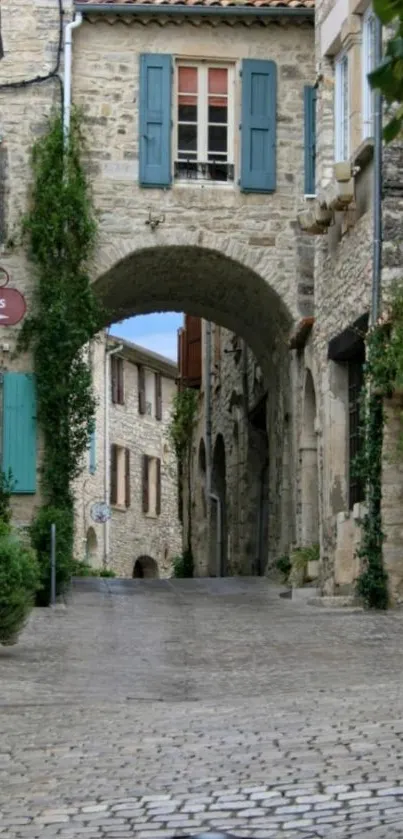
(202, 122)
(368, 64)
(341, 108)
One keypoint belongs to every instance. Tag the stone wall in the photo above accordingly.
(238, 258)
(237, 386)
(133, 534)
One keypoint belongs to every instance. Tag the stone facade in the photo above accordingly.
(343, 278)
(231, 257)
(238, 445)
(149, 538)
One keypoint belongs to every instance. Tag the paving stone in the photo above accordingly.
(120, 742)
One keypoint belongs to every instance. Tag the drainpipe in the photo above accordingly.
(107, 460)
(68, 60)
(216, 498)
(377, 219)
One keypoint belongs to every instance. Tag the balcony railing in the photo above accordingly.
(211, 170)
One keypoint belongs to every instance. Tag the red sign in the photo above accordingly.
(12, 306)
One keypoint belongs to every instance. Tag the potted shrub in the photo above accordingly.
(304, 565)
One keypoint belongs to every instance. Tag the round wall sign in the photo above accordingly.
(12, 306)
(100, 512)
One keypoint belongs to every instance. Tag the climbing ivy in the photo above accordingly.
(180, 435)
(372, 584)
(383, 375)
(61, 231)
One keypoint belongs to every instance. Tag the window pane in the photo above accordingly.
(187, 80)
(217, 113)
(345, 108)
(218, 83)
(187, 138)
(187, 113)
(217, 80)
(217, 138)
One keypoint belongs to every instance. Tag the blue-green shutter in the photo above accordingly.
(19, 430)
(155, 120)
(309, 138)
(258, 126)
(93, 453)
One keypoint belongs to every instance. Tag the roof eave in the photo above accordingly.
(193, 11)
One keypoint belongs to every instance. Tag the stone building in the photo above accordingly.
(230, 452)
(194, 115)
(329, 350)
(217, 196)
(130, 464)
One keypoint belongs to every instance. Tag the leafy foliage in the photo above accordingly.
(19, 573)
(83, 569)
(61, 231)
(388, 76)
(299, 558)
(40, 531)
(183, 565)
(182, 422)
(180, 435)
(283, 564)
(6, 488)
(372, 584)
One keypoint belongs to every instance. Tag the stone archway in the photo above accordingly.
(219, 532)
(145, 567)
(228, 283)
(231, 290)
(309, 467)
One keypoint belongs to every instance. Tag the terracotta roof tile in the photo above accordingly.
(289, 4)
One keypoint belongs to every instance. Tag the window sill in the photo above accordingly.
(189, 184)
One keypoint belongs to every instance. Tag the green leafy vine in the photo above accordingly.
(180, 435)
(61, 232)
(383, 377)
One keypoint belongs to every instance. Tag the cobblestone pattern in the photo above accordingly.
(133, 713)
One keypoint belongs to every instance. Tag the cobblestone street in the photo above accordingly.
(153, 709)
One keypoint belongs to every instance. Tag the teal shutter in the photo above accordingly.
(93, 453)
(155, 120)
(258, 129)
(309, 138)
(19, 430)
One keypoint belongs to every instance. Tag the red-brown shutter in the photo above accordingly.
(114, 474)
(158, 503)
(158, 396)
(114, 379)
(142, 389)
(145, 484)
(121, 381)
(127, 478)
(194, 355)
(180, 354)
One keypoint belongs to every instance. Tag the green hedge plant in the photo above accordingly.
(19, 581)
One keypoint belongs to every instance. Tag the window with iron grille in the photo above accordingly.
(204, 122)
(355, 384)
